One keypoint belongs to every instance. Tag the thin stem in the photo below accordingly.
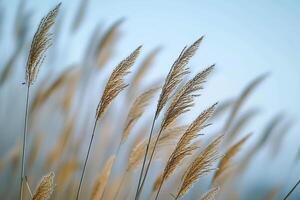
(28, 187)
(86, 159)
(24, 142)
(145, 158)
(160, 186)
(117, 153)
(291, 191)
(149, 163)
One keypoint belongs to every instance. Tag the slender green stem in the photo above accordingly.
(145, 158)
(149, 163)
(86, 159)
(24, 142)
(291, 191)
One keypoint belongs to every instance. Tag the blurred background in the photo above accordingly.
(245, 39)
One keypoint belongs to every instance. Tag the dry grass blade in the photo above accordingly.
(211, 194)
(136, 111)
(184, 99)
(35, 150)
(143, 68)
(178, 70)
(227, 159)
(222, 107)
(169, 136)
(241, 99)
(102, 179)
(184, 147)
(40, 44)
(176, 74)
(43, 95)
(107, 44)
(269, 129)
(65, 172)
(241, 122)
(200, 166)
(45, 188)
(116, 83)
(56, 153)
(136, 155)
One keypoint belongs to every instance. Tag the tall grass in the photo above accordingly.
(139, 144)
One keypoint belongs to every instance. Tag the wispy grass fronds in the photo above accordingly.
(57, 151)
(45, 188)
(184, 99)
(44, 94)
(40, 44)
(241, 99)
(105, 48)
(185, 147)
(182, 102)
(202, 165)
(143, 69)
(114, 86)
(241, 122)
(226, 161)
(101, 180)
(176, 74)
(169, 136)
(211, 194)
(65, 172)
(116, 83)
(35, 149)
(136, 111)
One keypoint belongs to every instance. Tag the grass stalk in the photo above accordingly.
(145, 158)
(24, 142)
(291, 191)
(86, 160)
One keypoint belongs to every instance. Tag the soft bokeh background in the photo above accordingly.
(244, 38)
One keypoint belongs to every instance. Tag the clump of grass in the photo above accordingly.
(45, 188)
(177, 147)
(40, 44)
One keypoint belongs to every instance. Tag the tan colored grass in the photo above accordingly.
(178, 70)
(211, 194)
(107, 44)
(241, 100)
(65, 172)
(45, 188)
(226, 161)
(184, 99)
(102, 179)
(202, 165)
(185, 147)
(116, 83)
(168, 138)
(35, 149)
(56, 152)
(136, 111)
(40, 44)
(143, 69)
